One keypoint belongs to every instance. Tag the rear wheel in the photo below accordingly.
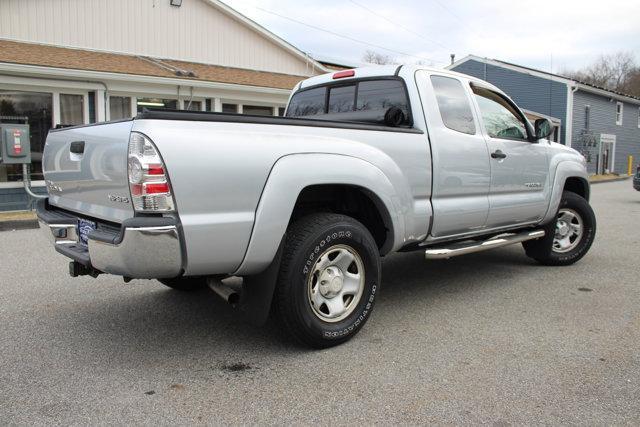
(569, 237)
(328, 280)
(185, 284)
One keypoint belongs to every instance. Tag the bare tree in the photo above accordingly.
(617, 72)
(373, 57)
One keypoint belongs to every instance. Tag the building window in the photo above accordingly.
(453, 104)
(193, 105)
(281, 111)
(155, 103)
(230, 108)
(37, 107)
(256, 110)
(587, 116)
(619, 110)
(92, 107)
(71, 109)
(119, 107)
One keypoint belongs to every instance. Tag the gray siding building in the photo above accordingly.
(603, 125)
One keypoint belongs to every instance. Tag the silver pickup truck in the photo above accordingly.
(365, 163)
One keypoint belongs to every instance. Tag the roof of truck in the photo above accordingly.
(387, 71)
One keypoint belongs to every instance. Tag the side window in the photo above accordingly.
(500, 118)
(380, 95)
(307, 103)
(341, 99)
(453, 104)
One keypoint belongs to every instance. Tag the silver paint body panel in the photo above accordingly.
(236, 184)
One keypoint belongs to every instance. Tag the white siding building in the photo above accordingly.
(65, 62)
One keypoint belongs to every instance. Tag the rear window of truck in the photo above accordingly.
(363, 101)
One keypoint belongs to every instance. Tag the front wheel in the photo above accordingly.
(569, 237)
(329, 278)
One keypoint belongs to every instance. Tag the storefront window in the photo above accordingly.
(119, 107)
(71, 109)
(155, 103)
(230, 108)
(37, 108)
(193, 105)
(257, 110)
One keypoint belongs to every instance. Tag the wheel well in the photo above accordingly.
(578, 186)
(356, 202)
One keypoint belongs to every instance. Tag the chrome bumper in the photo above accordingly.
(139, 252)
(144, 253)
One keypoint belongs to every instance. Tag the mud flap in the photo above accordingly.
(257, 291)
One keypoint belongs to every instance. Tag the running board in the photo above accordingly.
(467, 247)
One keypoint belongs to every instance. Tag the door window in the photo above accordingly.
(453, 104)
(501, 119)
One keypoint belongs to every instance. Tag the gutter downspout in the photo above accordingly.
(571, 89)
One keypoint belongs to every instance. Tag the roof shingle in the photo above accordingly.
(78, 59)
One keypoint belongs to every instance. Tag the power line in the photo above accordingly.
(462, 21)
(409, 30)
(346, 37)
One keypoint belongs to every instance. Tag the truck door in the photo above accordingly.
(519, 167)
(461, 169)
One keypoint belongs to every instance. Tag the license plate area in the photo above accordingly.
(84, 228)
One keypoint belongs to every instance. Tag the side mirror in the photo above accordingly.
(543, 128)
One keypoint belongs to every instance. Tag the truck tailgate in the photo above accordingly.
(86, 170)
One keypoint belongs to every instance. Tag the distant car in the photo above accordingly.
(636, 179)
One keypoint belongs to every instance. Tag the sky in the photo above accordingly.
(554, 36)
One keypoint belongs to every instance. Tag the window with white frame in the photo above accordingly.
(119, 107)
(619, 108)
(71, 109)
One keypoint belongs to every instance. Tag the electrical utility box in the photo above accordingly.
(16, 147)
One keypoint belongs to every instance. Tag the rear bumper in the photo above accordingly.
(143, 248)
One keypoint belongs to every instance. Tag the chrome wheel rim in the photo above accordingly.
(336, 283)
(569, 230)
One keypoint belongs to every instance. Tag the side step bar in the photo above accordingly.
(467, 247)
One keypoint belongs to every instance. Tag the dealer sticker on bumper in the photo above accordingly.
(84, 228)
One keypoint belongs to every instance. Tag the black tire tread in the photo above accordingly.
(297, 236)
(540, 250)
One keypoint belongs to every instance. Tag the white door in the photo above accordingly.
(519, 166)
(461, 174)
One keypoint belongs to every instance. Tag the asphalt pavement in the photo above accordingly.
(485, 338)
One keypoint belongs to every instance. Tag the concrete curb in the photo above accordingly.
(25, 224)
(622, 178)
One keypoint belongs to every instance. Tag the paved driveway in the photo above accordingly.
(489, 337)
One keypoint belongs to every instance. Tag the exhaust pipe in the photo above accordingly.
(224, 291)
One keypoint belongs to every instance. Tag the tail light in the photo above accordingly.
(148, 180)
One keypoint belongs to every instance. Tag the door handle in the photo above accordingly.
(498, 155)
(77, 147)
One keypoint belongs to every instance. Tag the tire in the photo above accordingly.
(560, 249)
(185, 284)
(328, 280)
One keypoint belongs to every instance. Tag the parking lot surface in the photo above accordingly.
(491, 338)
